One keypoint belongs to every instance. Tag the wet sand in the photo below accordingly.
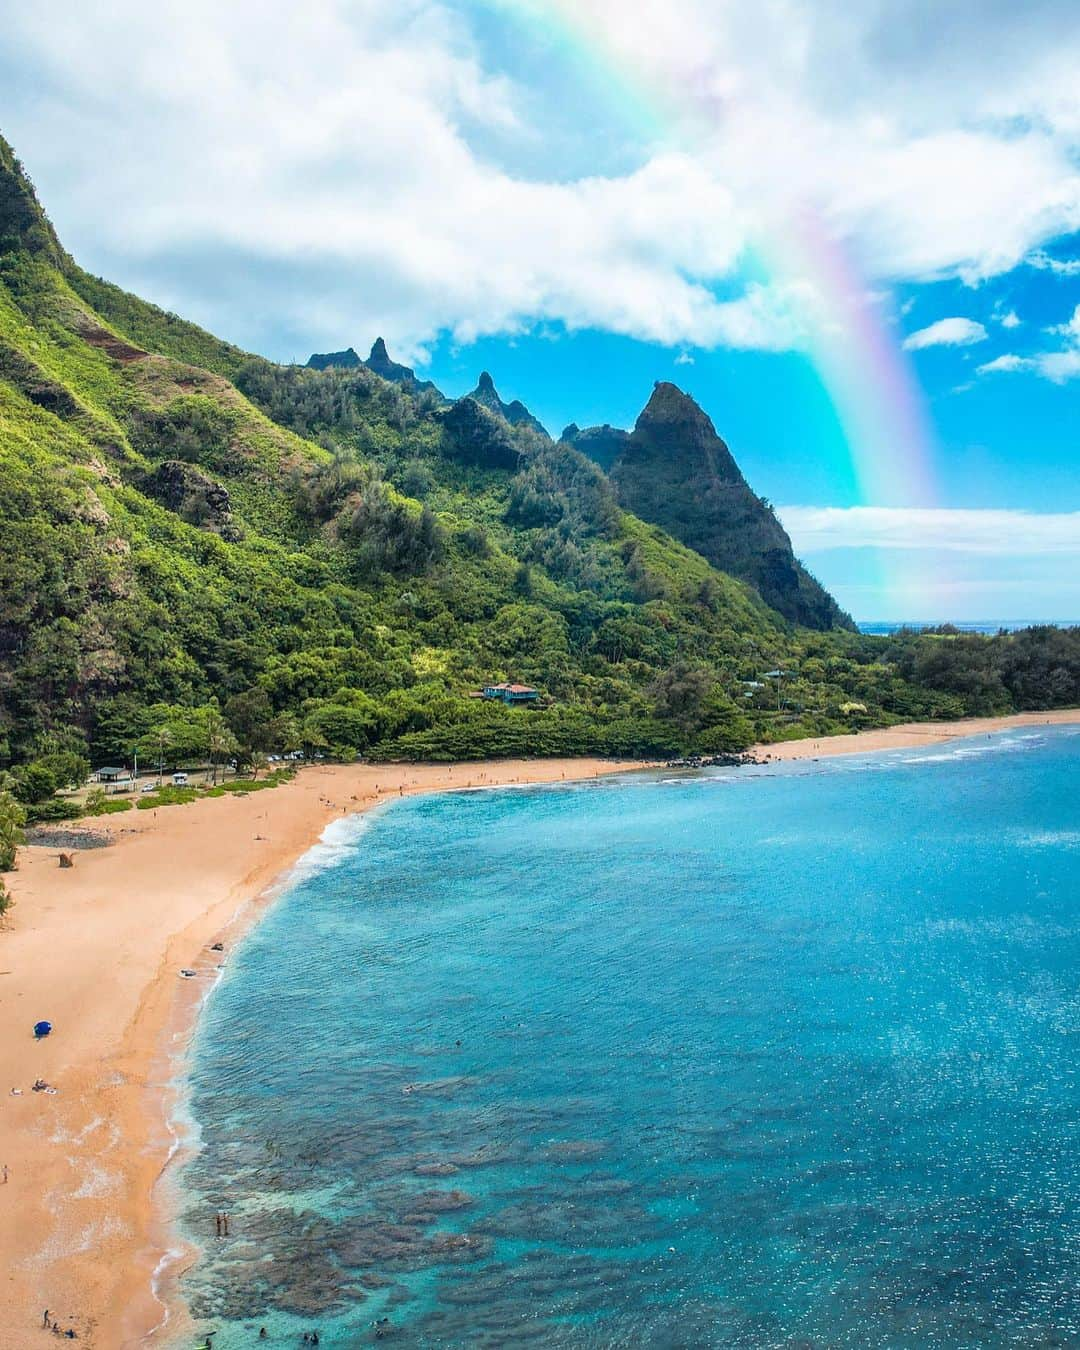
(97, 950)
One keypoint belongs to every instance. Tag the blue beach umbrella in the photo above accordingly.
(42, 1029)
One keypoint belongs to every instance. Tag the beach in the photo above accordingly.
(98, 950)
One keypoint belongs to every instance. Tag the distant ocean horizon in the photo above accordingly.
(775, 1057)
(882, 628)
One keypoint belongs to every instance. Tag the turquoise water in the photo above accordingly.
(782, 1057)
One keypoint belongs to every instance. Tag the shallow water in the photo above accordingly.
(772, 1058)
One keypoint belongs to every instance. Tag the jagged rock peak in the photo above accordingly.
(382, 364)
(674, 471)
(670, 403)
(515, 413)
(346, 360)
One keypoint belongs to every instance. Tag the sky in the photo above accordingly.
(851, 232)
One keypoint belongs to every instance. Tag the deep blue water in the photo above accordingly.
(786, 1057)
(883, 628)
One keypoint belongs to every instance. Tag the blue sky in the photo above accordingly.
(579, 198)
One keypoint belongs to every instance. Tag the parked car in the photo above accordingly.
(148, 787)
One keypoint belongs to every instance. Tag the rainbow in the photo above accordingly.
(850, 342)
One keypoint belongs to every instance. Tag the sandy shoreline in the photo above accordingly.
(911, 735)
(98, 950)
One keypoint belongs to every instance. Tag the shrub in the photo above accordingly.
(53, 809)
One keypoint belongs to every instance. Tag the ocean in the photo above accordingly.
(884, 628)
(778, 1057)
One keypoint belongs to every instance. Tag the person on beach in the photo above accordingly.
(45, 1318)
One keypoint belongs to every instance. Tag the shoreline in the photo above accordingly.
(910, 735)
(98, 950)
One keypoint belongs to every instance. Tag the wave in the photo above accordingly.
(1050, 839)
(336, 845)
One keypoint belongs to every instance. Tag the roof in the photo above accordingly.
(111, 768)
(512, 688)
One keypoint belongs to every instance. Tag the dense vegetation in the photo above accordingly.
(208, 557)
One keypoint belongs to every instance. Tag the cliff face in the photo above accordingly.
(674, 471)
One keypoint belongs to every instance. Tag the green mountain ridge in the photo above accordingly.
(205, 552)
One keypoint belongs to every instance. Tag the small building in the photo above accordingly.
(113, 779)
(111, 774)
(511, 693)
(179, 779)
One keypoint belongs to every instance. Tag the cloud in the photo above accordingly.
(1057, 366)
(1062, 267)
(1010, 320)
(684, 359)
(994, 532)
(1007, 363)
(946, 333)
(1070, 328)
(391, 175)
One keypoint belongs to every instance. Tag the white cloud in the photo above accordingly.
(946, 333)
(386, 178)
(684, 359)
(995, 532)
(1070, 328)
(1010, 319)
(1007, 363)
(1058, 366)
(1063, 267)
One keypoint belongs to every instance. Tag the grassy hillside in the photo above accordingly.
(205, 552)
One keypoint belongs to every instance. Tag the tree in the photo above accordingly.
(219, 740)
(250, 716)
(347, 724)
(34, 782)
(69, 769)
(12, 819)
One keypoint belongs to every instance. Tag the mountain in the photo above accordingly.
(378, 362)
(346, 360)
(202, 547)
(675, 471)
(515, 413)
(602, 444)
